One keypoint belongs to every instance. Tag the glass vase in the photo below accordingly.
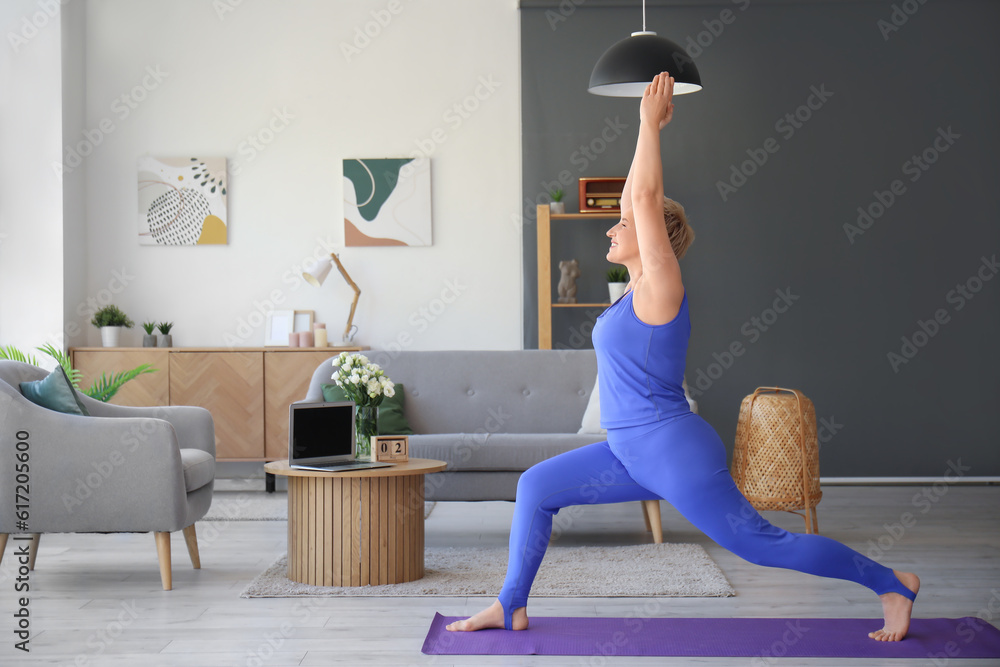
(365, 426)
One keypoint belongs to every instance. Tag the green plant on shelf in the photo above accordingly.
(111, 316)
(149, 327)
(103, 389)
(165, 327)
(618, 274)
(556, 194)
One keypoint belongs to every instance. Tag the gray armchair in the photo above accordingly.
(120, 470)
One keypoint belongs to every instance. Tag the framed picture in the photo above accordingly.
(387, 202)
(279, 324)
(182, 201)
(304, 320)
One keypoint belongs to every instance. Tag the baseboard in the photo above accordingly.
(905, 481)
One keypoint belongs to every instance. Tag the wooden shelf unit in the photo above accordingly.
(545, 305)
(247, 389)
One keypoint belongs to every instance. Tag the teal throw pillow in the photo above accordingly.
(391, 420)
(55, 392)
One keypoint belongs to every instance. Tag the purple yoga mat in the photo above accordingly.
(763, 638)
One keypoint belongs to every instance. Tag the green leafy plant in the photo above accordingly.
(619, 274)
(14, 354)
(111, 316)
(64, 361)
(556, 194)
(148, 327)
(103, 388)
(165, 327)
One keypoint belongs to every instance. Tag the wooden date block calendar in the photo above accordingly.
(393, 448)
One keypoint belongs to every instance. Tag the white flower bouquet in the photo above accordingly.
(364, 383)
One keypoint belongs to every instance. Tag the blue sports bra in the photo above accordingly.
(640, 367)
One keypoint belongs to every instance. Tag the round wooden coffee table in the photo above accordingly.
(357, 528)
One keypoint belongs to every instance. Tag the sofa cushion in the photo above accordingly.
(391, 420)
(516, 452)
(55, 392)
(592, 415)
(199, 468)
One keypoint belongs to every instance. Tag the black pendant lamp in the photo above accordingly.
(628, 66)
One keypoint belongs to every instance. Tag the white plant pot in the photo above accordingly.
(615, 290)
(557, 207)
(110, 336)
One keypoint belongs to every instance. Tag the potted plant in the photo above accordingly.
(617, 281)
(165, 339)
(110, 321)
(149, 340)
(557, 205)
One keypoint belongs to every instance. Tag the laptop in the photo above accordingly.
(321, 437)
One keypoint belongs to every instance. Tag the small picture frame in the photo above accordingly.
(303, 320)
(393, 448)
(279, 324)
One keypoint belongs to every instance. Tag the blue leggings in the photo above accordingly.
(683, 461)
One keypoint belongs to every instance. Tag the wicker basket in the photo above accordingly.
(776, 458)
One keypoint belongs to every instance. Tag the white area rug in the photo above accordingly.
(643, 570)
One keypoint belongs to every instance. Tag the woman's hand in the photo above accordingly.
(657, 101)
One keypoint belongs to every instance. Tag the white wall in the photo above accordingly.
(221, 76)
(31, 235)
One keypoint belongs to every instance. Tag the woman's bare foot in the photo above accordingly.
(896, 609)
(491, 617)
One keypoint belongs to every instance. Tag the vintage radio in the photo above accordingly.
(601, 195)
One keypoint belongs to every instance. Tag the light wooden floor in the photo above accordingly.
(96, 599)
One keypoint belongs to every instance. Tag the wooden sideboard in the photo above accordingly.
(247, 389)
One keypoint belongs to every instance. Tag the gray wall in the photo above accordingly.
(784, 228)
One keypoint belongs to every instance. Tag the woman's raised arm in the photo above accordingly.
(660, 269)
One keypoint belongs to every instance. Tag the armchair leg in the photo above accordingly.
(3, 545)
(191, 539)
(651, 508)
(163, 553)
(33, 550)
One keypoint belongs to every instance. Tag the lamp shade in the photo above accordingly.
(317, 272)
(627, 67)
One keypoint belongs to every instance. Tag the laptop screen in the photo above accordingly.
(321, 432)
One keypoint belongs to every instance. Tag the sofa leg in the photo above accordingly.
(645, 515)
(163, 554)
(191, 539)
(651, 508)
(33, 550)
(3, 545)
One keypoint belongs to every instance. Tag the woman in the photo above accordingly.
(657, 447)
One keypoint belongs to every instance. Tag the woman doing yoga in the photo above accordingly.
(656, 447)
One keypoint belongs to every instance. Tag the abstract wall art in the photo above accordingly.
(387, 201)
(182, 201)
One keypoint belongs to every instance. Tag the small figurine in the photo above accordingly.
(567, 281)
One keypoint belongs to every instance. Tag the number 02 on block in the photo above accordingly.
(390, 448)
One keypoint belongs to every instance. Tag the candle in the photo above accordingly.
(293, 340)
(320, 337)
